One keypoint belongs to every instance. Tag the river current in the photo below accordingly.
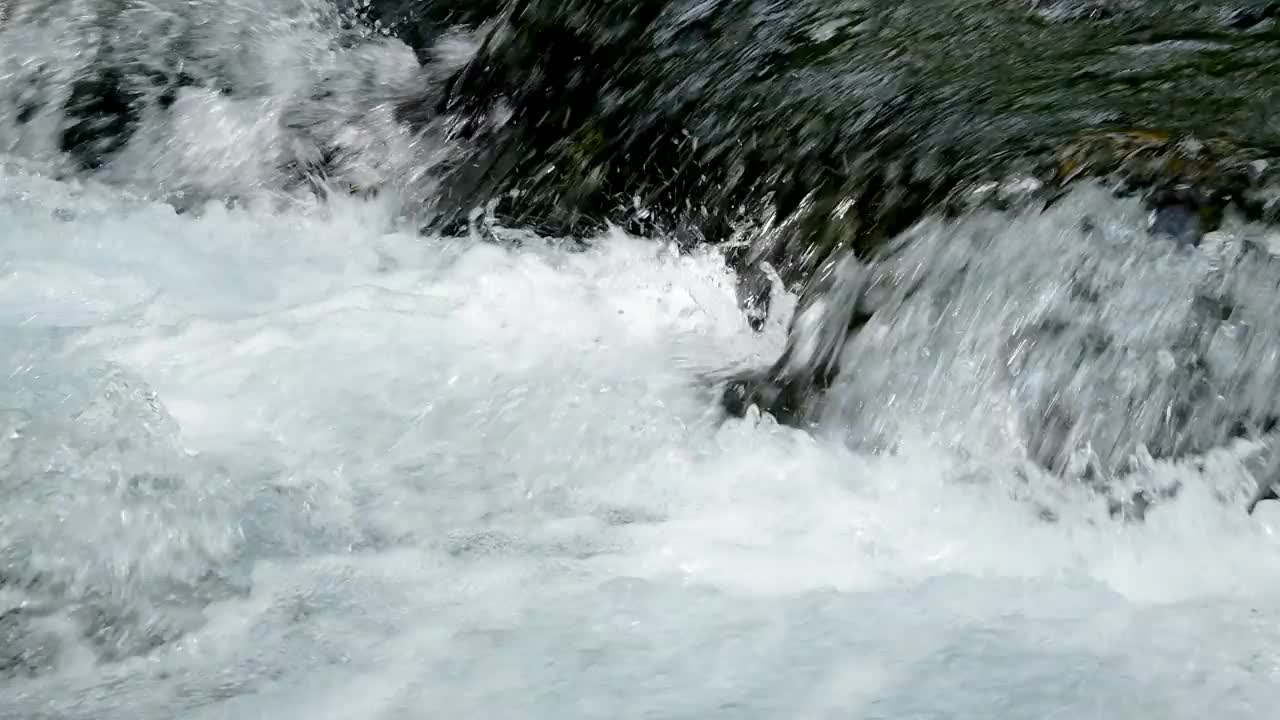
(289, 458)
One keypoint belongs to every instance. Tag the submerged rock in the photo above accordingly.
(1187, 184)
(1098, 341)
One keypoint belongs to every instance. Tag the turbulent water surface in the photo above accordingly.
(286, 457)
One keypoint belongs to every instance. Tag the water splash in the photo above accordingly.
(435, 473)
(309, 464)
(171, 99)
(1072, 338)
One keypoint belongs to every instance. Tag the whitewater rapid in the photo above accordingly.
(303, 463)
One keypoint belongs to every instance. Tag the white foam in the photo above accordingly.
(474, 482)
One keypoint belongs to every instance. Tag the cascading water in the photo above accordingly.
(266, 450)
(1070, 337)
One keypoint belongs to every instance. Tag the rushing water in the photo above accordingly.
(287, 458)
(335, 471)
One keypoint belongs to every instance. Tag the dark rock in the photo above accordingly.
(101, 115)
(1249, 17)
(812, 112)
(1177, 216)
(419, 23)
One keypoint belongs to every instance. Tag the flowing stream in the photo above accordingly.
(265, 454)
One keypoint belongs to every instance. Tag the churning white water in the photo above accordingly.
(300, 465)
(292, 460)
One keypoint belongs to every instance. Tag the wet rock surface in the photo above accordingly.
(806, 113)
